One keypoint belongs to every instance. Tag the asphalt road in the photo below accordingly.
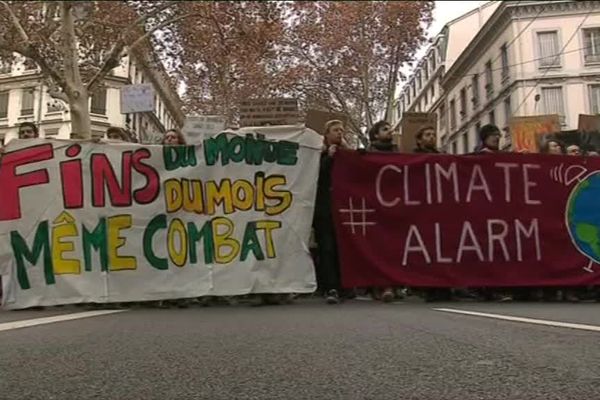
(307, 350)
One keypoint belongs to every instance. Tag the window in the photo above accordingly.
(507, 110)
(414, 88)
(504, 59)
(27, 101)
(489, 79)
(454, 148)
(552, 101)
(433, 64)
(419, 81)
(475, 89)
(591, 44)
(426, 70)
(549, 52)
(432, 93)
(452, 114)
(594, 99)
(463, 103)
(3, 104)
(492, 117)
(466, 144)
(442, 118)
(477, 129)
(98, 105)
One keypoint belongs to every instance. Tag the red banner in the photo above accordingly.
(457, 221)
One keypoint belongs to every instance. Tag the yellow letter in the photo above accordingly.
(243, 195)
(268, 226)
(115, 261)
(192, 196)
(222, 239)
(284, 196)
(67, 228)
(218, 194)
(178, 256)
(173, 197)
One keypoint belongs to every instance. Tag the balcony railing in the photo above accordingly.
(592, 58)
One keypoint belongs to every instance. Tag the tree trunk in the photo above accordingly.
(81, 125)
(75, 90)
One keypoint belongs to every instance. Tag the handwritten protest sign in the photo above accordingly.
(526, 132)
(83, 222)
(137, 98)
(483, 221)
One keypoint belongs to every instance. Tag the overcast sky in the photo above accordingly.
(446, 11)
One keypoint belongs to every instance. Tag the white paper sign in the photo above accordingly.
(137, 98)
(85, 222)
(195, 129)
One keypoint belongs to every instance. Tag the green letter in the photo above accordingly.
(194, 235)
(41, 243)
(97, 240)
(215, 146)
(251, 243)
(158, 222)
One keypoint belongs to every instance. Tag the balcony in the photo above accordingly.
(592, 59)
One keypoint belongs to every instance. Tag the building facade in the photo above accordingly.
(529, 58)
(423, 90)
(24, 97)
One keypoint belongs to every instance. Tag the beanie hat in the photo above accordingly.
(487, 131)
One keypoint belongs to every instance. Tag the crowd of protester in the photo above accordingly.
(327, 263)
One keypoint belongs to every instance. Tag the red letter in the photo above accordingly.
(150, 192)
(103, 174)
(72, 181)
(11, 182)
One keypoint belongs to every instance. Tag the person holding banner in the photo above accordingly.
(553, 146)
(489, 136)
(114, 133)
(173, 137)
(328, 268)
(28, 130)
(426, 141)
(380, 136)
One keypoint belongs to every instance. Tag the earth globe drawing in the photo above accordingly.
(583, 216)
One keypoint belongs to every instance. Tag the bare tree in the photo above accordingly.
(76, 44)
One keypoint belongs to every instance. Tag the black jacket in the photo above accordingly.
(425, 150)
(323, 201)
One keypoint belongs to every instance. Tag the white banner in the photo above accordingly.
(90, 222)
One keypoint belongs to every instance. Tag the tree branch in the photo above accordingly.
(15, 21)
(118, 51)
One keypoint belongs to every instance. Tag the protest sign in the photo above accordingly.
(411, 124)
(316, 119)
(137, 98)
(83, 222)
(195, 129)
(480, 220)
(526, 132)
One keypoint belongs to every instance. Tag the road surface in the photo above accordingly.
(307, 350)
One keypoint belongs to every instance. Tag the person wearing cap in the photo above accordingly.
(489, 136)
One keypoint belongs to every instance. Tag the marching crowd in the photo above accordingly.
(325, 253)
(380, 136)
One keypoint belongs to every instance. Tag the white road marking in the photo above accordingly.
(558, 324)
(7, 326)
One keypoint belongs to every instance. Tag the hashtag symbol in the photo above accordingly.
(361, 213)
